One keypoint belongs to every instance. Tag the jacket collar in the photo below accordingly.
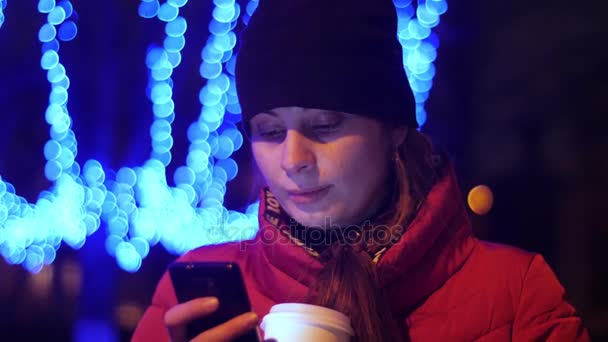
(435, 246)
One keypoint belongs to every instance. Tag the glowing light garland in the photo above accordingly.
(2, 7)
(419, 46)
(138, 206)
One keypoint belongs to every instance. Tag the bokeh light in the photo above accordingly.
(419, 46)
(136, 204)
(481, 199)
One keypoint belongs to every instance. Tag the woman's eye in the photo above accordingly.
(326, 128)
(271, 134)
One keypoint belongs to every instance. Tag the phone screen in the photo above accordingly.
(217, 279)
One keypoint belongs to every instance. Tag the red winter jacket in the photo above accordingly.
(444, 284)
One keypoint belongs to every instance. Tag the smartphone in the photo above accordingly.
(212, 279)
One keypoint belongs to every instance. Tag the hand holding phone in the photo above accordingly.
(179, 316)
(213, 303)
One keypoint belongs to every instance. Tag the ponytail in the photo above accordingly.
(348, 283)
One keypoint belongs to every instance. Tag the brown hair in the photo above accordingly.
(348, 282)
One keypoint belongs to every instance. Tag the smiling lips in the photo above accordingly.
(308, 196)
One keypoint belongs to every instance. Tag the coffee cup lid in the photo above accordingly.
(324, 315)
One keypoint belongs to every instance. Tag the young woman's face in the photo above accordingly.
(325, 168)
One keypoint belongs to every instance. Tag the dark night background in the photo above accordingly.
(518, 101)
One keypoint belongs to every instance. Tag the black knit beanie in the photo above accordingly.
(340, 55)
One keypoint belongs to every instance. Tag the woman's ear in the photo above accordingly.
(398, 135)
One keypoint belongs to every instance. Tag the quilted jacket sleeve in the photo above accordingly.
(151, 327)
(543, 314)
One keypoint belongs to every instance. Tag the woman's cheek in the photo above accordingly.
(266, 167)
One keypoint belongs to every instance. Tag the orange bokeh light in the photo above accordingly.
(481, 199)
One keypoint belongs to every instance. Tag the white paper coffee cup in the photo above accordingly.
(295, 322)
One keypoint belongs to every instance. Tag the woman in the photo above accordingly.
(359, 214)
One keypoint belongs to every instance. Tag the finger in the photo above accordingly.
(184, 313)
(230, 330)
(178, 316)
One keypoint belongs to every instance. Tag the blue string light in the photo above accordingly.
(31, 233)
(190, 214)
(138, 206)
(419, 46)
(2, 7)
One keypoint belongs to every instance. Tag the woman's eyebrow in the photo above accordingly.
(271, 112)
(260, 117)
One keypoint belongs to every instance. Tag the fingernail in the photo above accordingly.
(251, 318)
(210, 301)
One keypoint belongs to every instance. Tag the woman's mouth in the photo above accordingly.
(308, 196)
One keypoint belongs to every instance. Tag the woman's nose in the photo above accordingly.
(297, 155)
